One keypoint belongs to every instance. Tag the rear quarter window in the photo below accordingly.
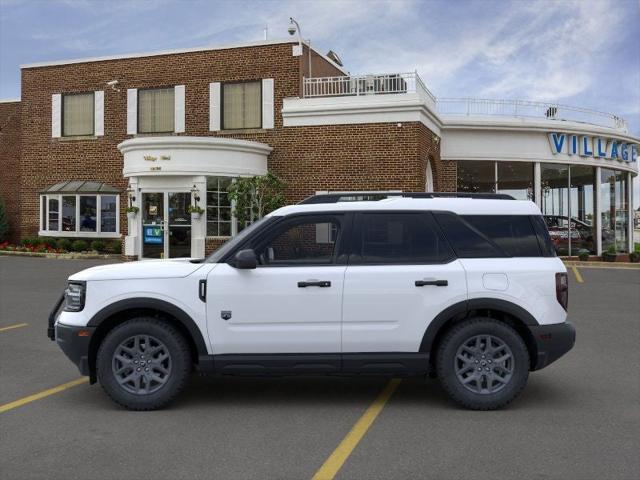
(514, 234)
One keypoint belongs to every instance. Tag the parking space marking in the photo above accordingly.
(11, 327)
(577, 274)
(334, 463)
(45, 393)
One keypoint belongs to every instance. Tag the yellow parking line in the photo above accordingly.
(11, 327)
(577, 274)
(45, 393)
(334, 463)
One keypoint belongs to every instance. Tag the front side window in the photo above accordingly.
(399, 238)
(156, 110)
(79, 215)
(297, 243)
(241, 105)
(77, 114)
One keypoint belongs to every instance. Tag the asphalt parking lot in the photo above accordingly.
(577, 419)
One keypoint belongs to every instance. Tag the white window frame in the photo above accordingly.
(78, 233)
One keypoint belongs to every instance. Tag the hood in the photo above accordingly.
(177, 268)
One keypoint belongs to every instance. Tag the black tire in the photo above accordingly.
(484, 391)
(177, 365)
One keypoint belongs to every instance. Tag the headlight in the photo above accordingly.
(74, 296)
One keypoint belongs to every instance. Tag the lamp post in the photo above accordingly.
(294, 27)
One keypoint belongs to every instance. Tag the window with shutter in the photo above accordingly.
(241, 105)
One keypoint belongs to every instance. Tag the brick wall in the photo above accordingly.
(10, 161)
(339, 157)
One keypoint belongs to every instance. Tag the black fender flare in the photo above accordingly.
(154, 304)
(461, 309)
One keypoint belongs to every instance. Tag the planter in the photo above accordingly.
(195, 216)
(634, 257)
(609, 257)
(131, 216)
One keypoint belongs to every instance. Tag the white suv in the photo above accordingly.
(466, 289)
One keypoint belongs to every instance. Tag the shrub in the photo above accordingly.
(115, 247)
(46, 242)
(28, 241)
(4, 222)
(583, 255)
(79, 246)
(64, 244)
(98, 245)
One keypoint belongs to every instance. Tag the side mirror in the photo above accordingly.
(245, 259)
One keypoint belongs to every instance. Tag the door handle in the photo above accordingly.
(437, 283)
(314, 283)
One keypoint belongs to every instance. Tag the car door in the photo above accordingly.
(291, 303)
(401, 274)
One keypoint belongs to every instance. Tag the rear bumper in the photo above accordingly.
(552, 342)
(74, 342)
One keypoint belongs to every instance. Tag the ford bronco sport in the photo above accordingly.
(463, 287)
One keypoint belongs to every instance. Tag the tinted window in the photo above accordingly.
(466, 240)
(544, 239)
(307, 241)
(400, 238)
(512, 233)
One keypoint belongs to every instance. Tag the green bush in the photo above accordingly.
(79, 246)
(4, 222)
(583, 255)
(98, 245)
(115, 247)
(64, 244)
(29, 241)
(47, 242)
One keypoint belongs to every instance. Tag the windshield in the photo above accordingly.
(233, 242)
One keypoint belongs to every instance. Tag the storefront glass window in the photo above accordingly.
(583, 225)
(476, 176)
(88, 213)
(614, 210)
(69, 213)
(218, 207)
(516, 179)
(555, 204)
(53, 213)
(108, 213)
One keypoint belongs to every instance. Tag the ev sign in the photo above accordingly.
(597, 147)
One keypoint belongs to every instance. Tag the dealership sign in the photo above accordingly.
(597, 147)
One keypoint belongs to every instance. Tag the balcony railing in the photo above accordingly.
(399, 83)
(357, 85)
(528, 109)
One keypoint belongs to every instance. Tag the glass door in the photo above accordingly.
(179, 225)
(153, 215)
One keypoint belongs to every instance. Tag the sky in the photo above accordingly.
(584, 53)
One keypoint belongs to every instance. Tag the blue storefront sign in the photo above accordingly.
(152, 235)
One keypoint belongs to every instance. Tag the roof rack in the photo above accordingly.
(374, 196)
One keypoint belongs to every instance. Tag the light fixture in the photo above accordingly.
(294, 27)
(195, 193)
(132, 198)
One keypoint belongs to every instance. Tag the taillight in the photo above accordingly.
(562, 289)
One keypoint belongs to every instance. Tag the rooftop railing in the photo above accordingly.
(401, 83)
(528, 109)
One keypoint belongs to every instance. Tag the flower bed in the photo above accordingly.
(47, 246)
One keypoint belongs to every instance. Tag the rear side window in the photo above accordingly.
(544, 239)
(514, 234)
(466, 240)
(399, 238)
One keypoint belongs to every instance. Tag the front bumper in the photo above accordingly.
(74, 342)
(552, 342)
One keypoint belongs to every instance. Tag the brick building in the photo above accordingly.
(164, 130)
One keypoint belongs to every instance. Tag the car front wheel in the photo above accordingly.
(483, 364)
(143, 363)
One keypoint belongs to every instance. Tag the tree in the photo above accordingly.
(4, 222)
(254, 197)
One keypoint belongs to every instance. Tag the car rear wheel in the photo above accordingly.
(483, 364)
(143, 364)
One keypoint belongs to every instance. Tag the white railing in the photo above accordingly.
(356, 85)
(524, 108)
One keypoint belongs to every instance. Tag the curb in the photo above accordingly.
(63, 256)
(611, 265)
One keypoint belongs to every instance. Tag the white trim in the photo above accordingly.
(56, 115)
(268, 103)
(630, 210)
(171, 52)
(98, 112)
(598, 207)
(9, 100)
(77, 233)
(179, 100)
(132, 111)
(214, 107)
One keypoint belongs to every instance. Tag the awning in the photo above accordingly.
(81, 186)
